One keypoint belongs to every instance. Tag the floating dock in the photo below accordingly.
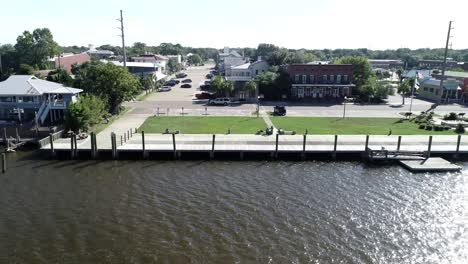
(429, 165)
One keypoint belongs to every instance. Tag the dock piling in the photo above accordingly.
(399, 143)
(4, 137)
(4, 163)
(51, 139)
(367, 142)
(17, 136)
(304, 145)
(429, 147)
(458, 143)
(143, 143)
(72, 149)
(75, 146)
(114, 146)
(213, 147)
(276, 146)
(334, 147)
(174, 146)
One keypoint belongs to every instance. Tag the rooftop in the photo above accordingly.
(31, 85)
(455, 74)
(136, 64)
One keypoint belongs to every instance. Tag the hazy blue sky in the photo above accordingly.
(216, 23)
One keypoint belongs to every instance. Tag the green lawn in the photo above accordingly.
(203, 124)
(353, 125)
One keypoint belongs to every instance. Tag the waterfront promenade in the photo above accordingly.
(258, 143)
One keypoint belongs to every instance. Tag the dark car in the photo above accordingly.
(187, 81)
(209, 76)
(204, 95)
(279, 110)
(181, 75)
(170, 83)
(205, 87)
(175, 81)
(186, 85)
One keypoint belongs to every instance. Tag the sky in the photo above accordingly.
(311, 24)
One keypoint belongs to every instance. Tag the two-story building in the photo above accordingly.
(25, 98)
(386, 64)
(241, 74)
(66, 61)
(144, 69)
(317, 81)
(153, 58)
(229, 59)
(437, 64)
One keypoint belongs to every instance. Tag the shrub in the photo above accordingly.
(422, 126)
(446, 128)
(460, 129)
(428, 127)
(451, 116)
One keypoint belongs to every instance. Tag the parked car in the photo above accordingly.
(175, 81)
(204, 95)
(209, 76)
(279, 110)
(181, 75)
(186, 85)
(170, 83)
(187, 81)
(207, 82)
(165, 89)
(205, 87)
(220, 101)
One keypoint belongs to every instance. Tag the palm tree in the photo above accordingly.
(404, 88)
(399, 72)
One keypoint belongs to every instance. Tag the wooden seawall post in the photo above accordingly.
(18, 139)
(457, 151)
(429, 147)
(212, 147)
(4, 135)
(72, 149)
(145, 154)
(4, 163)
(334, 147)
(93, 145)
(75, 145)
(114, 145)
(276, 146)
(51, 139)
(303, 154)
(399, 143)
(174, 146)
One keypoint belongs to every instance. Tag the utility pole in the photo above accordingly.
(445, 60)
(123, 39)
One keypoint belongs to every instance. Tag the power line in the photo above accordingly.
(445, 60)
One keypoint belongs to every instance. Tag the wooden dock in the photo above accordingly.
(429, 165)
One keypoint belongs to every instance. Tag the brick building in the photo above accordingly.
(66, 61)
(319, 81)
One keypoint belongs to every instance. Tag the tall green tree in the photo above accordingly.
(195, 59)
(111, 82)
(60, 76)
(404, 88)
(34, 48)
(139, 48)
(173, 66)
(89, 110)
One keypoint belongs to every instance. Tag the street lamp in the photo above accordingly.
(344, 107)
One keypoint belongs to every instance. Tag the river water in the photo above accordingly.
(229, 212)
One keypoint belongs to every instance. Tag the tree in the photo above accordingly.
(250, 86)
(111, 82)
(221, 86)
(60, 76)
(195, 59)
(25, 69)
(89, 110)
(404, 88)
(147, 82)
(362, 69)
(228, 87)
(267, 85)
(399, 72)
(173, 66)
(265, 50)
(34, 48)
(138, 48)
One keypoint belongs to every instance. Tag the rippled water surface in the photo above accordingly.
(229, 212)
